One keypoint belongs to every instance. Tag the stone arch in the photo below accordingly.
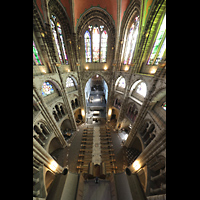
(53, 145)
(90, 75)
(73, 78)
(95, 13)
(45, 124)
(132, 86)
(56, 8)
(117, 81)
(65, 125)
(49, 177)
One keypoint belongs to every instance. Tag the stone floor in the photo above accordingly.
(68, 156)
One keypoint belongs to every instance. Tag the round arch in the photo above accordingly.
(91, 14)
(118, 80)
(54, 83)
(89, 76)
(136, 83)
(54, 144)
(73, 78)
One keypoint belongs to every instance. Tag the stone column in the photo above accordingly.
(44, 157)
(124, 105)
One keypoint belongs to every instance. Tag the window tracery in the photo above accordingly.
(96, 44)
(69, 82)
(57, 31)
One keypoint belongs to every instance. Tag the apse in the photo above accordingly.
(96, 95)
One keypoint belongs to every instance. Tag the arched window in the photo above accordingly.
(104, 37)
(88, 56)
(122, 83)
(159, 46)
(47, 89)
(36, 57)
(95, 42)
(131, 41)
(142, 89)
(56, 28)
(69, 82)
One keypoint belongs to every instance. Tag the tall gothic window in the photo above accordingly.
(159, 46)
(36, 57)
(131, 41)
(104, 37)
(58, 38)
(88, 56)
(96, 44)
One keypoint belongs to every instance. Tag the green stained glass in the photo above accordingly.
(158, 41)
(36, 55)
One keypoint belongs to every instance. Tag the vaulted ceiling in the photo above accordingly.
(76, 8)
(116, 15)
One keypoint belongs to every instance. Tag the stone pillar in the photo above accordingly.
(44, 157)
(124, 105)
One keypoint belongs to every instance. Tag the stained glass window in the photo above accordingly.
(62, 42)
(56, 40)
(47, 89)
(36, 56)
(131, 41)
(69, 82)
(101, 27)
(59, 41)
(95, 42)
(122, 83)
(161, 52)
(88, 55)
(142, 89)
(90, 27)
(164, 105)
(158, 42)
(104, 37)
